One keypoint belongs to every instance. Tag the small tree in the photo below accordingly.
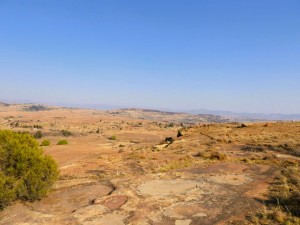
(25, 172)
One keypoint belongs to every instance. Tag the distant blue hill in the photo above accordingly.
(244, 115)
(227, 114)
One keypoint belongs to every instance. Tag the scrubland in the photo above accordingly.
(146, 167)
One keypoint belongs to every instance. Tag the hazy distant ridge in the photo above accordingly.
(228, 114)
(244, 115)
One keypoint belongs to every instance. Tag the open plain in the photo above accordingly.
(150, 167)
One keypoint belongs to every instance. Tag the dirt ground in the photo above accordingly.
(117, 168)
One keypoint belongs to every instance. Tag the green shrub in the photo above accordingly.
(38, 135)
(7, 190)
(25, 172)
(66, 133)
(45, 143)
(113, 138)
(62, 142)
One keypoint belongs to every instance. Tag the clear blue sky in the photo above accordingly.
(175, 54)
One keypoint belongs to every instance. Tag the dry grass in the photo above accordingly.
(175, 164)
(283, 205)
(285, 148)
(211, 155)
(285, 190)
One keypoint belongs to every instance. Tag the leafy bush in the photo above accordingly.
(38, 135)
(45, 143)
(66, 133)
(25, 172)
(62, 142)
(7, 192)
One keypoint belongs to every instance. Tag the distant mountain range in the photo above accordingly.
(247, 116)
(244, 116)
(67, 105)
(3, 104)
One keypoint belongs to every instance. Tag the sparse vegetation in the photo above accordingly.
(285, 148)
(14, 124)
(168, 140)
(252, 148)
(211, 155)
(37, 126)
(175, 164)
(45, 143)
(220, 166)
(35, 108)
(66, 133)
(62, 142)
(38, 135)
(25, 173)
(243, 125)
(113, 137)
(283, 207)
(285, 190)
(170, 125)
(179, 133)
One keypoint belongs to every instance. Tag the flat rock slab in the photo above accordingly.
(22, 215)
(167, 187)
(183, 222)
(89, 212)
(112, 202)
(108, 219)
(70, 199)
(231, 179)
